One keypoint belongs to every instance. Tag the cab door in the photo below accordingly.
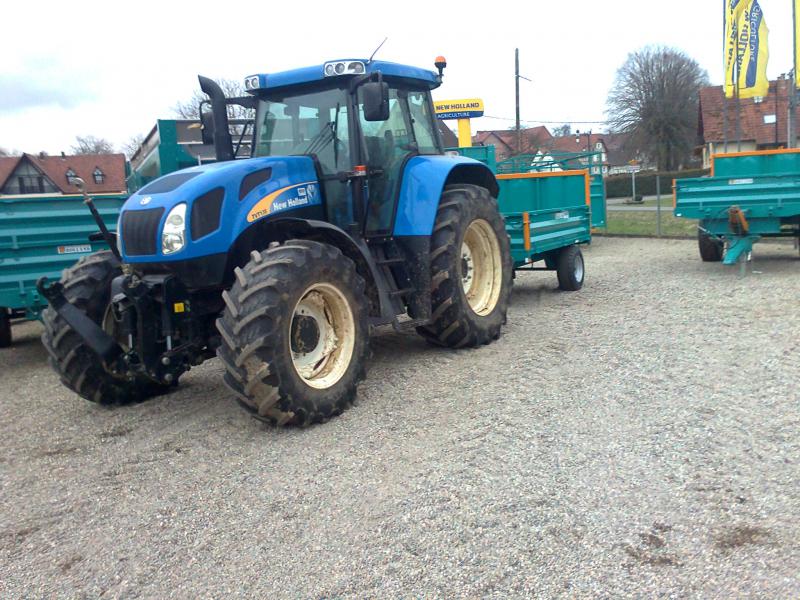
(409, 131)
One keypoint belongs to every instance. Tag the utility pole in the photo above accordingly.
(516, 82)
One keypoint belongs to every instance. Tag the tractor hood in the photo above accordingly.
(201, 211)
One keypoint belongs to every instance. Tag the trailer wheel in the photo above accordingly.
(87, 285)
(570, 269)
(295, 335)
(711, 249)
(471, 269)
(5, 328)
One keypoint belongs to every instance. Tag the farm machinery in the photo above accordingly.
(347, 216)
(749, 196)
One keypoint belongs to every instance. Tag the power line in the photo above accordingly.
(544, 122)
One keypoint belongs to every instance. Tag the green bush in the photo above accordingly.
(619, 186)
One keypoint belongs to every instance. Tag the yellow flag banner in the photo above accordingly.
(733, 16)
(796, 39)
(746, 49)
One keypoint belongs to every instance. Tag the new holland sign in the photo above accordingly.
(459, 109)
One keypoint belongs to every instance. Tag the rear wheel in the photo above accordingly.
(570, 269)
(295, 337)
(87, 285)
(711, 248)
(471, 270)
(5, 328)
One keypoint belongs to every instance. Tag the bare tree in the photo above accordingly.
(654, 100)
(190, 109)
(89, 144)
(132, 144)
(562, 130)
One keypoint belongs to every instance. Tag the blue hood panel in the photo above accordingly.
(292, 185)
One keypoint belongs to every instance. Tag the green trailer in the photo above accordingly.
(41, 236)
(749, 196)
(554, 162)
(548, 215)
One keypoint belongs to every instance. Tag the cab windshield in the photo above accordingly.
(312, 123)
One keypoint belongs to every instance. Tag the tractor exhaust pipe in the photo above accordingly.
(223, 144)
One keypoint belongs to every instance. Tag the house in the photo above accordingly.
(505, 141)
(54, 175)
(580, 144)
(763, 122)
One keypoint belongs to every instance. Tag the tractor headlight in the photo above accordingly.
(173, 236)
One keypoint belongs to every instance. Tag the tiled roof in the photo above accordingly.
(752, 113)
(575, 142)
(531, 139)
(7, 166)
(84, 165)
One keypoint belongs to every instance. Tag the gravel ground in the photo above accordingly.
(637, 438)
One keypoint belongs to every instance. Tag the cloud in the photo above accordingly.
(20, 92)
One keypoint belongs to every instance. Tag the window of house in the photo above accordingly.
(30, 184)
(71, 176)
(98, 175)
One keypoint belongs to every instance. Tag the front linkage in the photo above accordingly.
(153, 332)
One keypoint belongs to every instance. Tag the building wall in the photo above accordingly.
(712, 148)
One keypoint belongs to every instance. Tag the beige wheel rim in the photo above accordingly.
(481, 267)
(322, 336)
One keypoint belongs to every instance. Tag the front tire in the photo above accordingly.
(295, 336)
(471, 269)
(87, 285)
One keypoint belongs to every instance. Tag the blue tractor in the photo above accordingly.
(347, 216)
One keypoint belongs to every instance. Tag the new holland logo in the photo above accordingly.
(145, 201)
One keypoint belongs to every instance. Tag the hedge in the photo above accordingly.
(619, 186)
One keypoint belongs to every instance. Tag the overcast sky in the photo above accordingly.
(111, 69)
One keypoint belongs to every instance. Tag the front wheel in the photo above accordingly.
(471, 269)
(295, 336)
(87, 285)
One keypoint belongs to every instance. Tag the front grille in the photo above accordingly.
(140, 231)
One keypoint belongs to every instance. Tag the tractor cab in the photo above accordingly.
(359, 121)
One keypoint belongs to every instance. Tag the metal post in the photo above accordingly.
(736, 95)
(658, 205)
(516, 84)
(633, 186)
(724, 77)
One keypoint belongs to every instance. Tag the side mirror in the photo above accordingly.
(375, 96)
(206, 123)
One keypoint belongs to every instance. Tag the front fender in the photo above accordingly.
(424, 178)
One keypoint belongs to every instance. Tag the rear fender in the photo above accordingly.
(424, 179)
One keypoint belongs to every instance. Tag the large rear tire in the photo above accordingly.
(5, 328)
(711, 249)
(471, 269)
(295, 335)
(87, 285)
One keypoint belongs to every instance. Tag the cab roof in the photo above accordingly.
(304, 75)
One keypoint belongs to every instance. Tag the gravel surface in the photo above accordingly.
(636, 438)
